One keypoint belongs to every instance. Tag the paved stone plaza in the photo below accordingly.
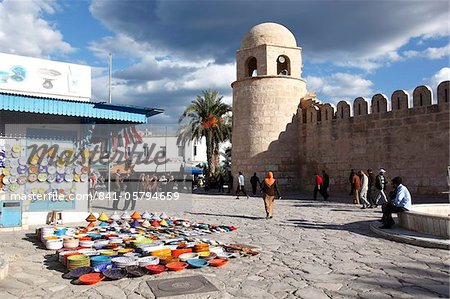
(309, 250)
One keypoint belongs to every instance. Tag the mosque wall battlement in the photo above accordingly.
(379, 105)
(412, 142)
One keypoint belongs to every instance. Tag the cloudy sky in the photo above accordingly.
(166, 52)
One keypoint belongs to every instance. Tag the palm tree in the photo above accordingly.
(206, 116)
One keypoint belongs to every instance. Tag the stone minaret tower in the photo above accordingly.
(266, 95)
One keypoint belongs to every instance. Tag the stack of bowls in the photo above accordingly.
(77, 261)
(123, 261)
(62, 254)
(54, 244)
(46, 231)
(71, 243)
(148, 260)
(201, 247)
(161, 252)
(60, 232)
(86, 243)
(100, 262)
(186, 256)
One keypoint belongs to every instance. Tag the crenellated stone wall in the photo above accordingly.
(411, 142)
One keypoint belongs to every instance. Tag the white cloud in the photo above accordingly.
(442, 75)
(340, 86)
(23, 31)
(430, 53)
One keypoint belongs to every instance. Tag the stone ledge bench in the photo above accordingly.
(433, 219)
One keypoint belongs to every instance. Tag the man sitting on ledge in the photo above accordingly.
(399, 203)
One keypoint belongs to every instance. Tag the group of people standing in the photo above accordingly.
(368, 189)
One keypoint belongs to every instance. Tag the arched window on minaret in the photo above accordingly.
(283, 65)
(252, 67)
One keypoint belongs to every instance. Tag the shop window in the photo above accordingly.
(283, 65)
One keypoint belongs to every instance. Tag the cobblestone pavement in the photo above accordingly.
(310, 250)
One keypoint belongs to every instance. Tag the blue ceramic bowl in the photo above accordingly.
(197, 263)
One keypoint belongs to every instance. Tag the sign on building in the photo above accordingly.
(46, 78)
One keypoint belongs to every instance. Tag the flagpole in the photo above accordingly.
(110, 139)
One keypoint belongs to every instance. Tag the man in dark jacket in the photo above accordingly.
(380, 185)
(254, 181)
(325, 185)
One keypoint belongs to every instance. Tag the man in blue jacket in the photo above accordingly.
(399, 203)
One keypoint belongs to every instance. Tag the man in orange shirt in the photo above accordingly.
(356, 182)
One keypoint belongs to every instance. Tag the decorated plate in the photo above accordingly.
(33, 169)
(14, 187)
(85, 170)
(14, 171)
(32, 178)
(22, 180)
(60, 162)
(7, 148)
(44, 162)
(6, 171)
(5, 180)
(12, 179)
(51, 178)
(69, 170)
(22, 169)
(42, 169)
(34, 160)
(84, 177)
(5, 188)
(69, 177)
(16, 148)
(15, 154)
(61, 169)
(6, 163)
(76, 178)
(78, 169)
(42, 177)
(60, 178)
(51, 169)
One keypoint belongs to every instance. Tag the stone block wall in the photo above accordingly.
(409, 142)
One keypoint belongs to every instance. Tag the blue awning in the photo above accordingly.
(112, 112)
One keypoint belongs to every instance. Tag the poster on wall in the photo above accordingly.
(40, 77)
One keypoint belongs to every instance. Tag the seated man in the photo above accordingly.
(399, 203)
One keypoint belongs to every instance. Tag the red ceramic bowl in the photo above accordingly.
(155, 269)
(85, 239)
(218, 262)
(178, 252)
(91, 278)
(177, 266)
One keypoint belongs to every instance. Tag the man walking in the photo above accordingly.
(254, 180)
(325, 185)
(400, 203)
(380, 185)
(371, 190)
(356, 185)
(363, 190)
(240, 187)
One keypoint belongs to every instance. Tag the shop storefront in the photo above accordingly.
(46, 121)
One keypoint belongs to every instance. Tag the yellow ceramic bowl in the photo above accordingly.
(203, 253)
(125, 250)
(107, 252)
(162, 252)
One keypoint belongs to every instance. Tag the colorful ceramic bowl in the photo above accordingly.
(91, 278)
(186, 256)
(177, 266)
(218, 262)
(197, 263)
(155, 269)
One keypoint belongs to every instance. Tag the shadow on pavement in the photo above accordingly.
(225, 215)
(358, 227)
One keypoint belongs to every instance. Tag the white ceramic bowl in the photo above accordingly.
(185, 256)
(148, 260)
